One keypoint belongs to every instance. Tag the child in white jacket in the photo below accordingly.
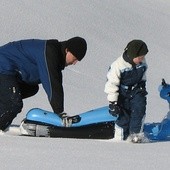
(126, 92)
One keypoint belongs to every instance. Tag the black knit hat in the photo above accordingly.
(136, 48)
(77, 46)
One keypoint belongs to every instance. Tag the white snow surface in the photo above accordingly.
(107, 26)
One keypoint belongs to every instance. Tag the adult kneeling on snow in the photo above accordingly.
(25, 64)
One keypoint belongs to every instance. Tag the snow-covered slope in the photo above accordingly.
(107, 26)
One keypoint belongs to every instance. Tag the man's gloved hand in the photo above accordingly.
(114, 109)
(66, 121)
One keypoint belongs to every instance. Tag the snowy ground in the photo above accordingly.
(107, 26)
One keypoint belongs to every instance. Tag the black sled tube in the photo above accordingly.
(94, 131)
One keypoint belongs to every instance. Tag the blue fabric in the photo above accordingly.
(133, 103)
(165, 92)
(26, 58)
(130, 77)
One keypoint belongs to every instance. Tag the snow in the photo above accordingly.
(107, 26)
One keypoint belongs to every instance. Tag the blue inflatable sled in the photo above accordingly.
(93, 124)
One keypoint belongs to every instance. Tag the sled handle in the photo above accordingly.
(163, 82)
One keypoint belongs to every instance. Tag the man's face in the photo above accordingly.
(70, 58)
(138, 59)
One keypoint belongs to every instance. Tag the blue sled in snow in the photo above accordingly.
(94, 124)
(91, 117)
(160, 131)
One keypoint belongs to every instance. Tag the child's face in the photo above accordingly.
(138, 59)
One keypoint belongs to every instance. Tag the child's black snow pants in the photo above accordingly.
(133, 103)
(11, 94)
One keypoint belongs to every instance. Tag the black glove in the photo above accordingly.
(66, 121)
(142, 87)
(62, 115)
(114, 109)
(142, 84)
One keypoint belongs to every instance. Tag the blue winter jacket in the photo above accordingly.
(28, 59)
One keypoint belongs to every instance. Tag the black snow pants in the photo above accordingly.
(12, 92)
(133, 103)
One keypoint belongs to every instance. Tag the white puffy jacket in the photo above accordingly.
(122, 71)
